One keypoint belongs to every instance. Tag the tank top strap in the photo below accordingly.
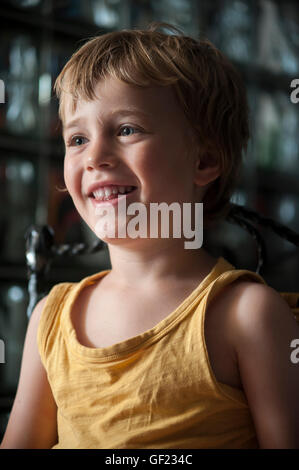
(50, 318)
(292, 299)
(228, 274)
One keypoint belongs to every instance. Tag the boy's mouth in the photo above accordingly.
(107, 193)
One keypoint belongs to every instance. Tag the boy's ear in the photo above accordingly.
(207, 170)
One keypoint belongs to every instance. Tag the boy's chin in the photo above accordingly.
(111, 233)
(117, 234)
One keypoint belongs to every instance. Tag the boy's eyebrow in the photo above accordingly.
(119, 112)
(128, 111)
(73, 123)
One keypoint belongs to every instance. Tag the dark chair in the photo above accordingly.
(41, 250)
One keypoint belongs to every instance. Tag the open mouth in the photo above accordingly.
(107, 193)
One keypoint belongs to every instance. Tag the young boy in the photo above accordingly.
(171, 348)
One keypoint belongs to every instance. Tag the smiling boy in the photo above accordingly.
(171, 348)
(158, 157)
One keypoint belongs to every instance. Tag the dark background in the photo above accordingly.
(37, 37)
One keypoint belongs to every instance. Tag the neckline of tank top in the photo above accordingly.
(125, 348)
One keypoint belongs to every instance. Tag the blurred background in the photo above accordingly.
(37, 37)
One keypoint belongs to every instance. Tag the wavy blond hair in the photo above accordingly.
(208, 88)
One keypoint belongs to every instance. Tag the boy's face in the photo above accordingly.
(133, 137)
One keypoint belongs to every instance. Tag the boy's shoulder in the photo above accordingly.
(249, 312)
(262, 327)
(250, 304)
(244, 324)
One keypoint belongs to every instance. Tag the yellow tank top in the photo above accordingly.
(154, 390)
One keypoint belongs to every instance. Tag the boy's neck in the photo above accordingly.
(158, 264)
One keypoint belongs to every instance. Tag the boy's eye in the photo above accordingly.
(126, 130)
(77, 140)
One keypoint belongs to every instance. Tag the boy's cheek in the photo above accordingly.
(67, 184)
(71, 175)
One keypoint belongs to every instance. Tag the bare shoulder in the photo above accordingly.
(258, 309)
(262, 327)
(250, 306)
(36, 314)
(219, 333)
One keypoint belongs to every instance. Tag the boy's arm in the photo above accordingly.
(32, 423)
(263, 327)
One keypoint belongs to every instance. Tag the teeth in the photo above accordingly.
(99, 194)
(106, 191)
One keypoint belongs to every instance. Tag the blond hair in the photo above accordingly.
(207, 86)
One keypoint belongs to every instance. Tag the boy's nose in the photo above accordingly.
(100, 154)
